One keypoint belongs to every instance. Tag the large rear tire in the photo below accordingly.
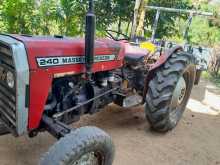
(84, 146)
(169, 91)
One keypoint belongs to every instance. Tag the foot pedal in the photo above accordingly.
(132, 101)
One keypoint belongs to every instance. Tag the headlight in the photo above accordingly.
(10, 79)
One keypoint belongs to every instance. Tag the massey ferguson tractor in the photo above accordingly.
(47, 83)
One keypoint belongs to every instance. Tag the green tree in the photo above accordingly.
(70, 15)
(202, 33)
(166, 24)
(17, 15)
(46, 16)
(67, 17)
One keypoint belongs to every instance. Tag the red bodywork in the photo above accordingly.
(41, 78)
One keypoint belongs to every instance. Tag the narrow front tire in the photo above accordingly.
(86, 145)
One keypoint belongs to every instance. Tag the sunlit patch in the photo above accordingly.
(211, 87)
(209, 105)
(214, 90)
(212, 100)
(199, 107)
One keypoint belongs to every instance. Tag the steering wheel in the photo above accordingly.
(110, 34)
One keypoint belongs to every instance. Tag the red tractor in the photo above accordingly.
(47, 83)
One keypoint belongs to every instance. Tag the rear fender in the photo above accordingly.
(162, 60)
(164, 57)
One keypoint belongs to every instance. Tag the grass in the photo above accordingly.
(214, 79)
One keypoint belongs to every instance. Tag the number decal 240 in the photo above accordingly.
(45, 62)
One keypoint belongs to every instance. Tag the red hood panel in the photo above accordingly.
(51, 47)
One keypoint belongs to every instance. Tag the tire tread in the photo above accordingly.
(161, 89)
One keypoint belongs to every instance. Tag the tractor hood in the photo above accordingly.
(43, 47)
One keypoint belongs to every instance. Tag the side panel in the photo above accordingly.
(41, 77)
(41, 80)
(40, 85)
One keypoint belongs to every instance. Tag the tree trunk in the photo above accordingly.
(139, 18)
(119, 27)
(142, 11)
(135, 20)
(127, 29)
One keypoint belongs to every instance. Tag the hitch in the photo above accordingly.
(55, 127)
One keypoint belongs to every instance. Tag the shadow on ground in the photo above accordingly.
(194, 141)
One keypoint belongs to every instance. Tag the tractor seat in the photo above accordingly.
(134, 54)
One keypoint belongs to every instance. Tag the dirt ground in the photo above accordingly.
(195, 141)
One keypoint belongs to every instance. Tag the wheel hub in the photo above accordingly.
(87, 159)
(179, 93)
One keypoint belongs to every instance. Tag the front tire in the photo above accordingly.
(84, 146)
(169, 92)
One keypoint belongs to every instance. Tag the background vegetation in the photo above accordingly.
(66, 17)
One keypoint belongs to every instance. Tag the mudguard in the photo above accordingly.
(164, 57)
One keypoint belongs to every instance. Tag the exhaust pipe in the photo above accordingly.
(90, 39)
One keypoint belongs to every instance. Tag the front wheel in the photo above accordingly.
(84, 146)
(169, 92)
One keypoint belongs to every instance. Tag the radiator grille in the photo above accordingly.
(7, 94)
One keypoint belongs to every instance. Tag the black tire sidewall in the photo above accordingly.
(101, 149)
(82, 141)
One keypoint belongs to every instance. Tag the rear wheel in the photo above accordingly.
(84, 146)
(169, 92)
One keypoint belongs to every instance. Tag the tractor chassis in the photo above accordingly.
(94, 100)
(55, 127)
(59, 129)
